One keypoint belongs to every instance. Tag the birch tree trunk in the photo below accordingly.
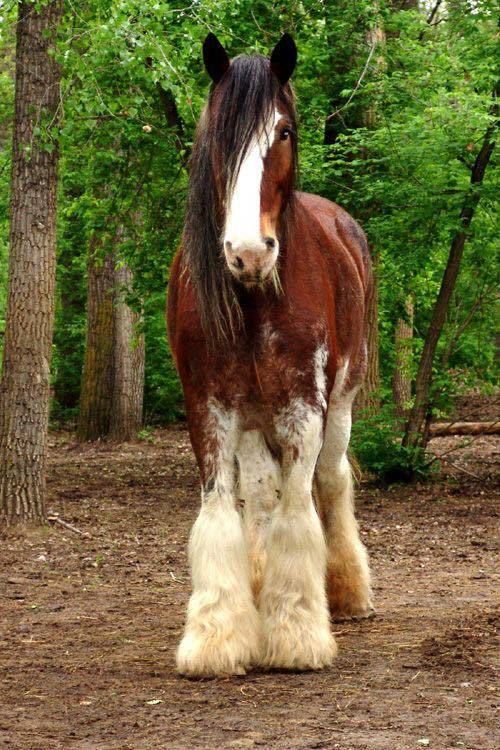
(25, 384)
(367, 399)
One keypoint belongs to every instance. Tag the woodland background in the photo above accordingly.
(98, 106)
(397, 113)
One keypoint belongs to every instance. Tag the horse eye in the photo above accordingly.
(285, 133)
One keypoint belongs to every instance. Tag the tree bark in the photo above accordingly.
(97, 379)
(413, 433)
(401, 379)
(25, 384)
(113, 373)
(128, 359)
(367, 399)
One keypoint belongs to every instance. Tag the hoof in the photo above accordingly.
(204, 656)
(301, 648)
(367, 613)
(349, 593)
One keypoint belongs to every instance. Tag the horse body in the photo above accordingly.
(325, 277)
(269, 417)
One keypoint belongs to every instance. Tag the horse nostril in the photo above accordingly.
(238, 263)
(270, 243)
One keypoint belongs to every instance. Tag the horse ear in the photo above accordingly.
(215, 58)
(284, 58)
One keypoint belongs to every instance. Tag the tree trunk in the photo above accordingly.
(113, 372)
(413, 433)
(97, 379)
(25, 385)
(128, 357)
(367, 400)
(401, 379)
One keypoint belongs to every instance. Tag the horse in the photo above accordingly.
(267, 300)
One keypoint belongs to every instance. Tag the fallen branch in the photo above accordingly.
(440, 429)
(448, 461)
(56, 519)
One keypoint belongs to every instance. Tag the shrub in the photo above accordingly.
(377, 446)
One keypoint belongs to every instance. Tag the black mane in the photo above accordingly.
(239, 107)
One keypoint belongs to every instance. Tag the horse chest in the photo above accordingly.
(265, 375)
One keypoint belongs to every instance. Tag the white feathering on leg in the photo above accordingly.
(348, 572)
(293, 602)
(222, 630)
(259, 488)
(222, 633)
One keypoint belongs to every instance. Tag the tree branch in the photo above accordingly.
(433, 12)
(461, 327)
(172, 116)
(430, 18)
(358, 83)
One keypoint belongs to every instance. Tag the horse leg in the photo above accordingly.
(293, 602)
(348, 574)
(259, 487)
(222, 629)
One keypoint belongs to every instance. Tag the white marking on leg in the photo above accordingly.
(222, 630)
(222, 426)
(320, 360)
(348, 574)
(259, 487)
(293, 601)
(340, 380)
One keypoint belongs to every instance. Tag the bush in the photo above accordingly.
(377, 446)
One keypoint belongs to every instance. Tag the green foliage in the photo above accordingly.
(376, 445)
(163, 393)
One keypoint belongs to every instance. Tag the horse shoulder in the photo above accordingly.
(343, 233)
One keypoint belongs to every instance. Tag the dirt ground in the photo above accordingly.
(89, 624)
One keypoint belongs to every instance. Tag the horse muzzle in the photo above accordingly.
(251, 262)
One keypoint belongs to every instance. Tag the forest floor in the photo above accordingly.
(89, 623)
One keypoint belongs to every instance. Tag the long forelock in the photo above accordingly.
(238, 112)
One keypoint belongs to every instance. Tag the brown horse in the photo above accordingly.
(266, 318)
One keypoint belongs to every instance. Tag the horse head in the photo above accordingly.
(251, 126)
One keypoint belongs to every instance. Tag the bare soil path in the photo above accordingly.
(89, 624)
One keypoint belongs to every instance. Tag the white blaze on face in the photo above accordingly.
(242, 226)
